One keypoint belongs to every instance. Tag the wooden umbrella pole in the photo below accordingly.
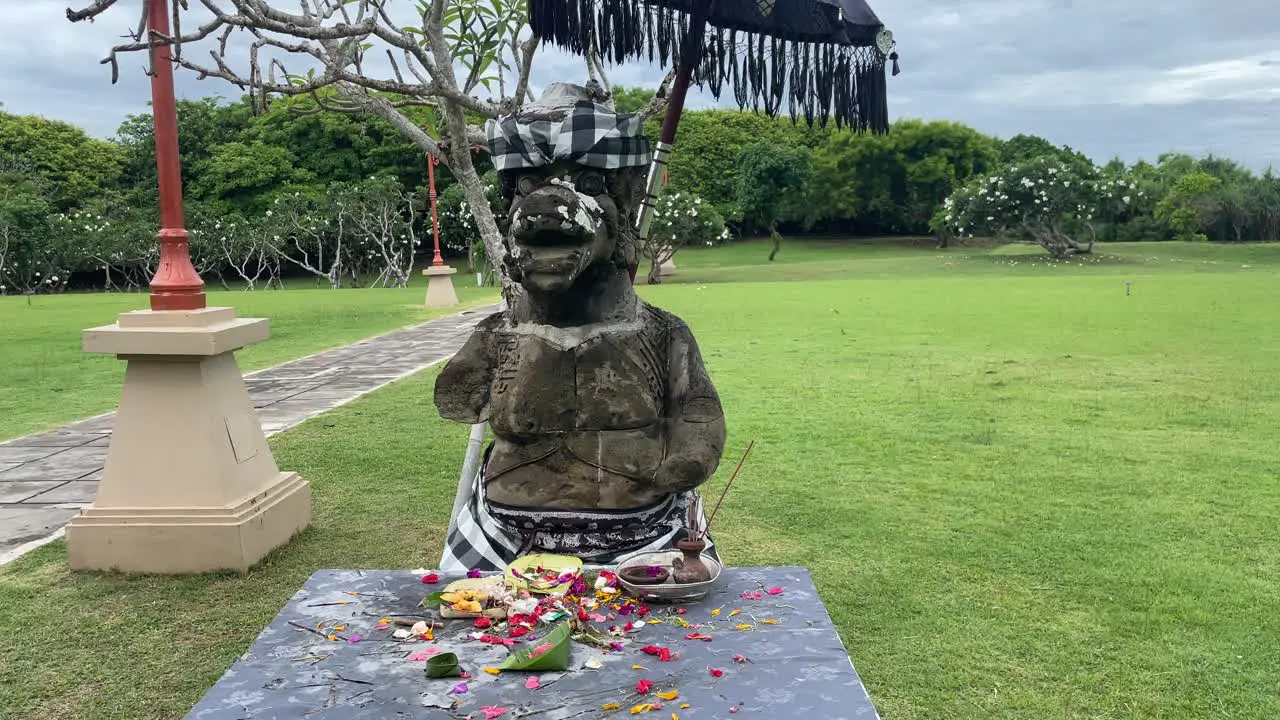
(690, 56)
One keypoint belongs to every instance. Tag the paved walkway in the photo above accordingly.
(45, 479)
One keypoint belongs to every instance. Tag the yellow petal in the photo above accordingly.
(743, 626)
(675, 716)
(639, 667)
(769, 622)
(386, 621)
(716, 611)
(333, 637)
(641, 708)
(340, 628)
(682, 623)
(493, 671)
(684, 706)
(735, 612)
(669, 695)
(610, 706)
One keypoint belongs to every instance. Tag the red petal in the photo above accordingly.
(774, 591)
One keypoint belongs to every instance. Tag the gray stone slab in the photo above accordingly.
(58, 439)
(21, 524)
(100, 424)
(76, 491)
(8, 466)
(797, 668)
(21, 454)
(16, 492)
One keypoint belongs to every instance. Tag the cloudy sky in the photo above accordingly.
(1132, 78)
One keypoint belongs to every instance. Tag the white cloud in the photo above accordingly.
(1252, 78)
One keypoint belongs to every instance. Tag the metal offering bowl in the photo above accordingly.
(669, 591)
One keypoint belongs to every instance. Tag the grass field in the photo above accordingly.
(46, 379)
(1023, 494)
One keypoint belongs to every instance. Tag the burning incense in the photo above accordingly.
(695, 508)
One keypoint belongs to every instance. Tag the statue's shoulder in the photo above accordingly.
(660, 319)
(496, 321)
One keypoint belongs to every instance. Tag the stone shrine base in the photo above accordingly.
(796, 668)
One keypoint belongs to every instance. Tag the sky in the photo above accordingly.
(1127, 78)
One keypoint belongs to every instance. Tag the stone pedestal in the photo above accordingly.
(668, 268)
(440, 291)
(190, 484)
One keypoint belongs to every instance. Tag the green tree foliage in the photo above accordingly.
(631, 99)
(892, 184)
(768, 175)
(1190, 204)
(70, 166)
(709, 144)
(296, 190)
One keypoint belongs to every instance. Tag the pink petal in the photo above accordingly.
(491, 712)
(752, 596)
(774, 591)
(422, 655)
(532, 683)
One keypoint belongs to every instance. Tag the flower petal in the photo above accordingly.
(774, 591)
(532, 683)
(491, 712)
(668, 695)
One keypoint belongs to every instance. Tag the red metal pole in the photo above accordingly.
(432, 161)
(177, 285)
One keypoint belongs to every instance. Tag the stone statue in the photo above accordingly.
(603, 415)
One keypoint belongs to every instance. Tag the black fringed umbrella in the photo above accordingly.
(821, 58)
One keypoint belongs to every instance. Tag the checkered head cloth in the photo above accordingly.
(584, 132)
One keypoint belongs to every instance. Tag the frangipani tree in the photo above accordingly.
(1042, 200)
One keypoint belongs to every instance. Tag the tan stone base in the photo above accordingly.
(190, 484)
(440, 291)
(192, 539)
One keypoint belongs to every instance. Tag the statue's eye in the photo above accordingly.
(526, 184)
(590, 182)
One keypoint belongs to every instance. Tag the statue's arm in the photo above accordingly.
(462, 387)
(695, 430)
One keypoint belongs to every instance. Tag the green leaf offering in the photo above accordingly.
(443, 665)
(434, 600)
(552, 653)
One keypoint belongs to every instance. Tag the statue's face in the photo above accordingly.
(563, 220)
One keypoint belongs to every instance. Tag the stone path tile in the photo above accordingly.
(45, 478)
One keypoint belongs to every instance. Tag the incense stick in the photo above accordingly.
(700, 534)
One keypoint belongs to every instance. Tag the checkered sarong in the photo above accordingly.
(478, 539)
(588, 134)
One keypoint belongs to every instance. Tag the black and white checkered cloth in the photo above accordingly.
(477, 539)
(589, 134)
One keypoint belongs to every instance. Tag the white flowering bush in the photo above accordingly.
(681, 219)
(1041, 200)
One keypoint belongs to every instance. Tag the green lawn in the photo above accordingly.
(46, 379)
(1022, 493)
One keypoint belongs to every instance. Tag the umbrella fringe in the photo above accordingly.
(817, 81)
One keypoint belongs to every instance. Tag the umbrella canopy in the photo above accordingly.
(820, 58)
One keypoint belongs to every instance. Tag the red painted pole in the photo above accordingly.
(176, 285)
(432, 161)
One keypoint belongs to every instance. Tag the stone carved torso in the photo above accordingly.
(581, 418)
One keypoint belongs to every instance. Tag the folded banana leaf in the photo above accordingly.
(443, 665)
(521, 569)
(551, 653)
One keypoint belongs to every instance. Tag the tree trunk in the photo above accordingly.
(777, 241)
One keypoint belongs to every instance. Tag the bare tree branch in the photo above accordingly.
(659, 101)
(97, 8)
